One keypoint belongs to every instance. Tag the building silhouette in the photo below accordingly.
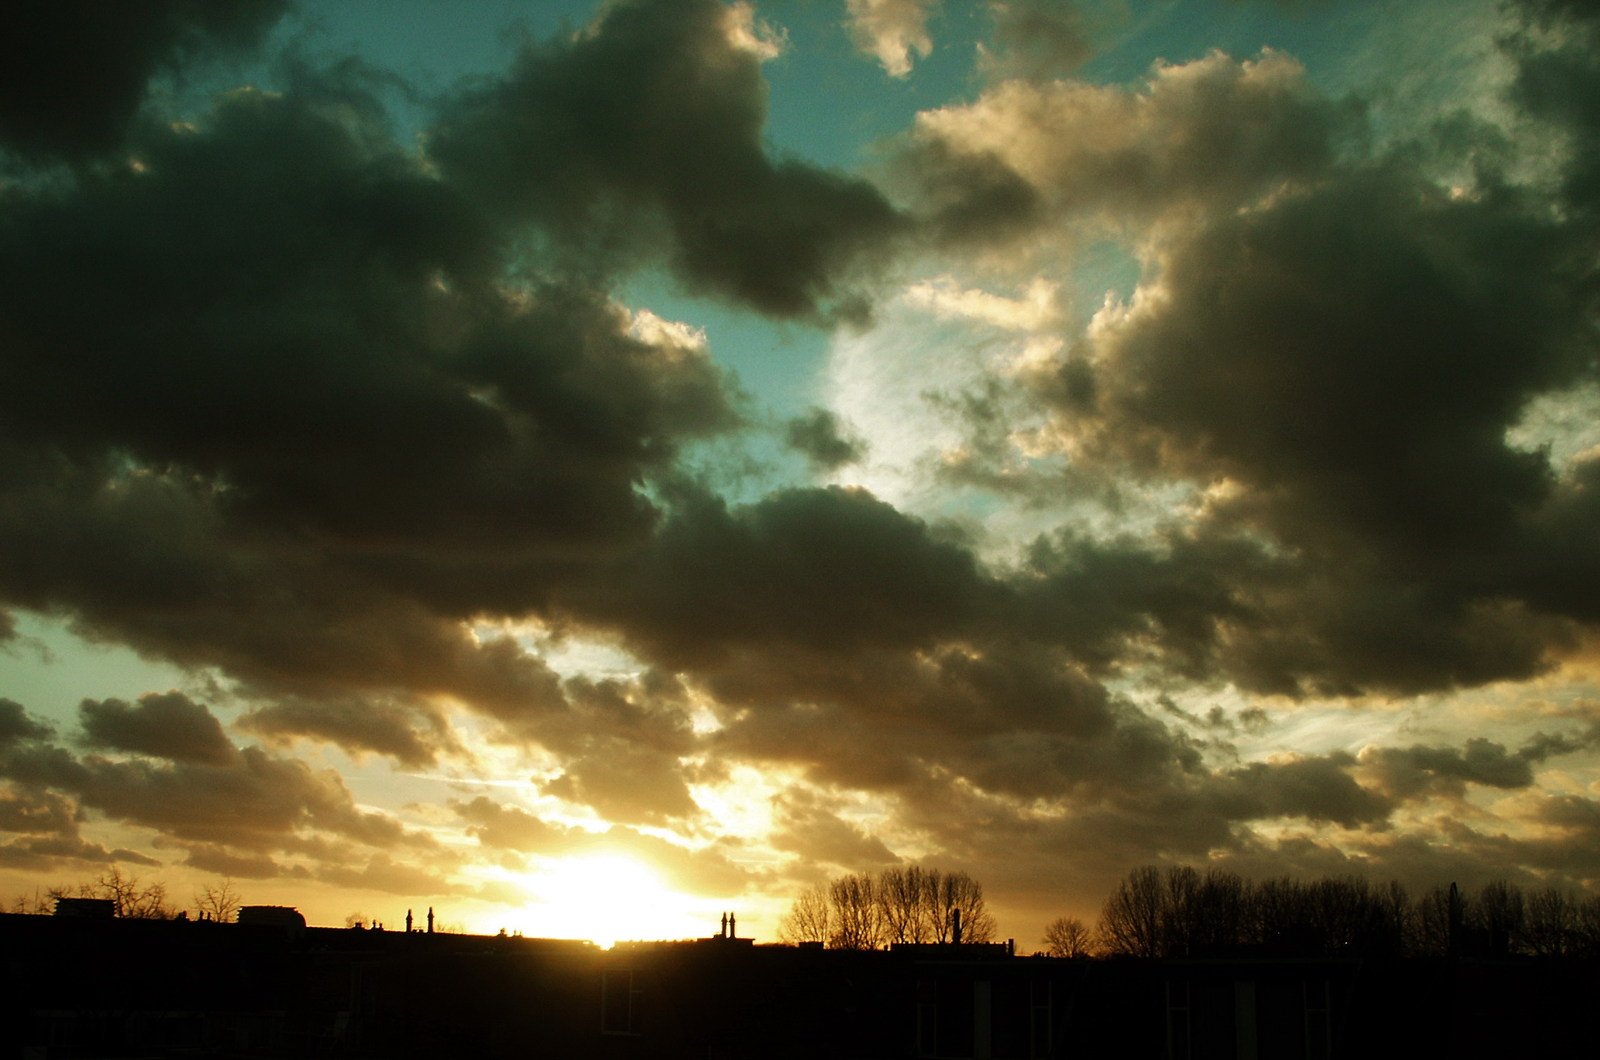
(76, 986)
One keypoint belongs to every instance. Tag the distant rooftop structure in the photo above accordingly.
(272, 916)
(86, 908)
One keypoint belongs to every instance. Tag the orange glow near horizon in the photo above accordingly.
(605, 898)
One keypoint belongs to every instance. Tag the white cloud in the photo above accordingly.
(748, 33)
(655, 330)
(892, 31)
(1037, 307)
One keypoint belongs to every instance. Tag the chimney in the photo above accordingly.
(733, 928)
(722, 932)
(955, 929)
(408, 921)
(430, 919)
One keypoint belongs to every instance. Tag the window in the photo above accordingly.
(620, 1007)
(1178, 1023)
(1040, 1011)
(1319, 1022)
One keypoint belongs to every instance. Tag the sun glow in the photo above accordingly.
(606, 898)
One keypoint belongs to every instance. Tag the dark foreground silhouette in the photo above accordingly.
(83, 987)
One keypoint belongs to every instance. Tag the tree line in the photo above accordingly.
(913, 904)
(1181, 912)
(133, 898)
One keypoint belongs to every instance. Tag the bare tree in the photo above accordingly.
(1222, 907)
(1500, 915)
(1337, 908)
(133, 897)
(1437, 919)
(1181, 914)
(1586, 927)
(809, 919)
(1066, 936)
(1274, 917)
(1402, 914)
(36, 903)
(357, 919)
(1166, 914)
(217, 901)
(903, 905)
(1130, 922)
(130, 897)
(956, 892)
(856, 925)
(1551, 917)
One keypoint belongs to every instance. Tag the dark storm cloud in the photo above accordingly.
(46, 831)
(1085, 844)
(1560, 566)
(146, 560)
(642, 136)
(167, 725)
(807, 825)
(410, 734)
(1152, 798)
(508, 827)
(73, 73)
(1543, 745)
(38, 813)
(1037, 38)
(1564, 846)
(621, 743)
(1420, 769)
(969, 196)
(16, 725)
(249, 802)
(1558, 81)
(48, 852)
(822, 439)
(254, 804)
(1318, 788)
(1357, 399)
(1374, 387)
(1214, 600)
(236, 866)
(273, 409)
(1215, 720)
(1011, 719)
(823, 569)
(1102, 599)
(286, 275)
(1412, 770)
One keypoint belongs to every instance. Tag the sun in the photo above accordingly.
(606, 898)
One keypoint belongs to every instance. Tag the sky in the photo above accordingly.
(585, 468)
